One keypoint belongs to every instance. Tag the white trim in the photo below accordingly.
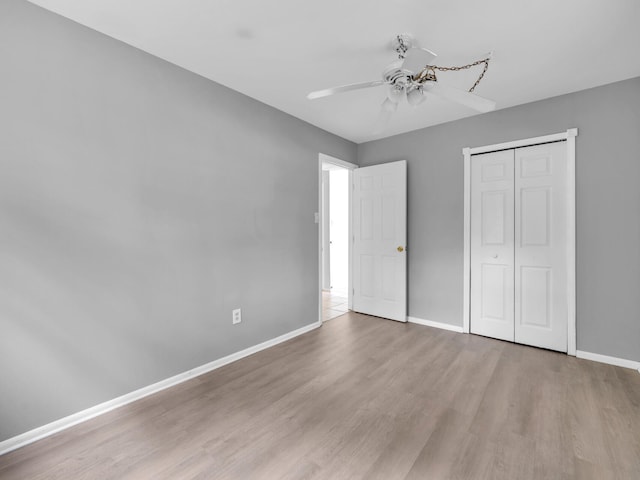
(324, 158)
(466, 298)
(526, 142)
(619, 362)
(325, 242)
(431, 323)
(350, 243)
(336, 161)
(569, 136)
(54, 427)
(571, 242)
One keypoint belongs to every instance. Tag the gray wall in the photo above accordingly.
(139, 204)
(608, 207)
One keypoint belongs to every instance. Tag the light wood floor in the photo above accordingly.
(366, 398)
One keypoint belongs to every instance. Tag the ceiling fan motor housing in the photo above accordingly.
(395, 75)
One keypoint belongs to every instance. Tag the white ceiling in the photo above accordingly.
(278, 51)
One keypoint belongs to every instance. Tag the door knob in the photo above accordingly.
(401, 249)
(495, 256)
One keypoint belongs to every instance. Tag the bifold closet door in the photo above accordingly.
(518, 245)
(492, 245)
(541, 239)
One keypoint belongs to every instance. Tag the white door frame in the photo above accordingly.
(570, 137)
(323, 158)
(325, 231)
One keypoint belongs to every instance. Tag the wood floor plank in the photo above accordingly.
(441, 452)
(404, 445)
(512, 458)
(365, 398)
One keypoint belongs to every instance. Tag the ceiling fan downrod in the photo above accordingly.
(401, 44)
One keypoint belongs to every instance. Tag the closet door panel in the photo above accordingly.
(540, 246)
(492, 245)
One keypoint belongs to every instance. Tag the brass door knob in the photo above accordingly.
(401, 249)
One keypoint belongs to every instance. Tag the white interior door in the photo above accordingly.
(541, 241)
(379, 235)
(492, 245)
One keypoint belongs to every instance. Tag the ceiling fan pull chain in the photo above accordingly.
(431, 68)
(484, 70)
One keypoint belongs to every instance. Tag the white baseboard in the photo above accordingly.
(596, 357)
(619, 362)
(54, 427)
(431, 323)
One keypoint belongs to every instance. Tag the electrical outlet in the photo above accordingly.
(236, 316)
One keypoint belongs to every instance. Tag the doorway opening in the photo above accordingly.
(334, 234)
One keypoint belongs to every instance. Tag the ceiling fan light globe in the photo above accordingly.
(415, 96)
(427, 85)
(389, 106)
(395, 93)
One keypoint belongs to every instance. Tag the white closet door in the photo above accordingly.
(492, 245)
(380, 236)
(540, 236)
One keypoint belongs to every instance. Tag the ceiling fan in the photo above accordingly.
(413, 76)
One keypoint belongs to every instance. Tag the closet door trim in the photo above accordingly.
(569, 136)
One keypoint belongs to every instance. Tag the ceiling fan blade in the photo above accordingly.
(416, 59)
(344, 88)
(468, 99)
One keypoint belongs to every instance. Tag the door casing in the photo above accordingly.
(323, 158)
